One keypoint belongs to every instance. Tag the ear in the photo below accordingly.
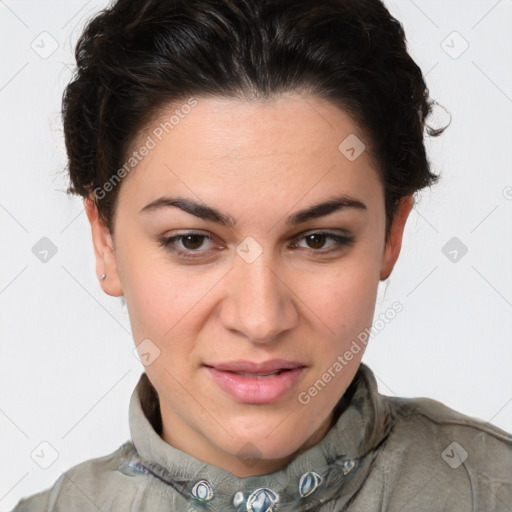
(393, 246)
(104, 251)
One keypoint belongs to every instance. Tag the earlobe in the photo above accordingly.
(104, 251)
(392, 248)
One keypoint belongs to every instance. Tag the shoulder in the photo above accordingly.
(430, 420)
(85, 486)
(37, 502)
(449, 456)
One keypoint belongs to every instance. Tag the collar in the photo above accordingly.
(335, 468)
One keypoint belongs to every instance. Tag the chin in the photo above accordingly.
(276, 437)
(252, 449)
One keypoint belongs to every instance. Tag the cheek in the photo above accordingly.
(157, 295)
(160, 302)
(170, 305)
(342, 300)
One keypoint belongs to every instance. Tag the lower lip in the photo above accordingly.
(256, 390)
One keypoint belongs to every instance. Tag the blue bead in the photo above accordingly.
(262, 500)
(309, 483)
(347, 466)
(238, 498)
(202, 491)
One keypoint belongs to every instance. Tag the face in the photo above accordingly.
(242, 292)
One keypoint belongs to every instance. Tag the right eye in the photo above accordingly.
(191, 242)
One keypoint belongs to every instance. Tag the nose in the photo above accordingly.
(258, 303)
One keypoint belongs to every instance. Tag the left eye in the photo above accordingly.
(192, 242)
(318, 239)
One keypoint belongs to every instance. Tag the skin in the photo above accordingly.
(258, 162)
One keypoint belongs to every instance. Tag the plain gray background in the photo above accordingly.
(67, 363)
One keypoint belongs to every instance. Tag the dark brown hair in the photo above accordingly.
(134, 58)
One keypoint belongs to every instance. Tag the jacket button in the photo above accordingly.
(129, 469)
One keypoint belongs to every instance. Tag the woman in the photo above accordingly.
(247, 169)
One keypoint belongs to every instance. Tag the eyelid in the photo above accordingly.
(326, 231)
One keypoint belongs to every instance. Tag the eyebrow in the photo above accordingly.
(209, 213)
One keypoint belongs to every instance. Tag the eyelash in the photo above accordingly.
(168, 243)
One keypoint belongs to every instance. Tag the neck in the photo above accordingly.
(243, 464)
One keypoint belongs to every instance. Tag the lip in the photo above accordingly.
(253, 387)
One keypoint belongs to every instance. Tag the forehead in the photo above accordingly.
(230, 151)
(225, 127)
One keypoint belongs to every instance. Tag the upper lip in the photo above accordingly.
(253, 367)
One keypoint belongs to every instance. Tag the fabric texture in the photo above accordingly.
(382, 454)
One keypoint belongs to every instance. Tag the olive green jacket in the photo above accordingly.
(381, 454)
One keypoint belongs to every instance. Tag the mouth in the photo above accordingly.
(256, 368)
(259, 375)
(256, 383)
